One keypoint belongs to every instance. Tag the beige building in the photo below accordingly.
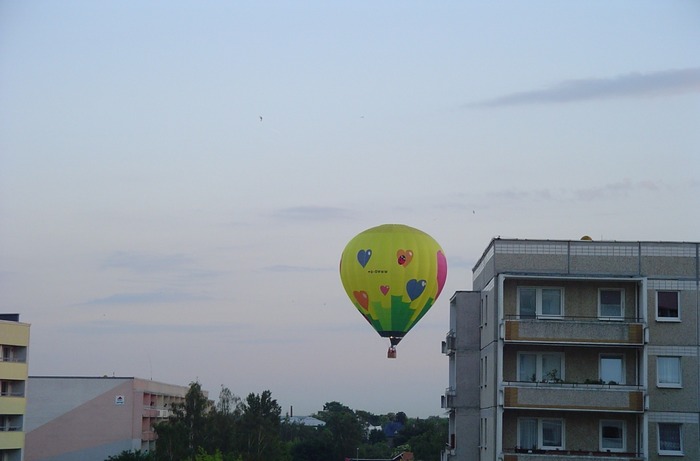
(576, 351)
(14, 343)
(72, 418)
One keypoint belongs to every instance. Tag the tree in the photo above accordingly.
(346, 428)
(426, 437)
(185, 431)
(259, 428)
(222, 423)
(311, 444)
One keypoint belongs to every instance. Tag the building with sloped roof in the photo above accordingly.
(71, 417)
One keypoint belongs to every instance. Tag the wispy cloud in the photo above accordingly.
(155, 297)
(142, 262)
(311, 213)
(287, 268)
(622, 188)
(109, 326)
(633, 85)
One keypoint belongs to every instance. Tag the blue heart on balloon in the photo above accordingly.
(415, 288)
(363, 257)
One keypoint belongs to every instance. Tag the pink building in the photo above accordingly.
(92, 418)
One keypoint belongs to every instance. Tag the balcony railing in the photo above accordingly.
(517, 454)
(574, 330)
(449, 344)
(449, 399)
(573, 396)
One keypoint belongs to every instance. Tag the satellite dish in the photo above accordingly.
(586, 237)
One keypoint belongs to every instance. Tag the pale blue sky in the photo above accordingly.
(152, 225)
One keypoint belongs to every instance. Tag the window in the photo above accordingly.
(539, 302)
(667, 306)
(611, 304)
(483, 378)
(670, 439)
(668, 372)
(541, 366)
(483, 433)
(540, 433)
(612, 436)
(612, 369)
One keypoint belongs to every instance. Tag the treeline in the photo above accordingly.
(252, 429)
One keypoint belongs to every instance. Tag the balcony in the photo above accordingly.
(568, 455)
(12, 405)
(449, 400)
(150, 412)
(449, 344)
(578, 397)
(11, 438)
(574, 330)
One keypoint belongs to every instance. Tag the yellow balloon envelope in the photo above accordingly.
(393, 274)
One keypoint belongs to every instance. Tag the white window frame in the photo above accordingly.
(674, 385)
(540, 436)
(678, 452)
(677, 318)
(622, 366)
(622, 304)
(538, 301)
(613, 422)
(540, 373)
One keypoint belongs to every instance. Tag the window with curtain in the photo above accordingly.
(527, 433)
(552, 433)
(540, 366)
(541, 433)
(668, 371)
(612, 436)
(527, 303)
(535, 301)
(670, 438)
(610, 303)
(667, 305)
(551, 301)
(611, 368)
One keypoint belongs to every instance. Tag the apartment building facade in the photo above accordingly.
(14, 346)
(70, 417)
(576, 350)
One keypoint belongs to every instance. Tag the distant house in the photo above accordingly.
(305, 421)
(392, 428)
(405, 456)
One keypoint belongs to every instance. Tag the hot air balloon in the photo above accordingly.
(393, 274)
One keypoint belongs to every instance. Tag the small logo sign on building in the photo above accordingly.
(119, 400)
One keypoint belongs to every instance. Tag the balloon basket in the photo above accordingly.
(391, 353)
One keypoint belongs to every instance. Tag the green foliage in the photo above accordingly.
(203, 456)
(260, 428)
(345, 427)
(251, 430)
(181, 437)
(129, 455)
(426, 437)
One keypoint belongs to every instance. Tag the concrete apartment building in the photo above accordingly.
(14, 345)
(92, 418)
(577, 351)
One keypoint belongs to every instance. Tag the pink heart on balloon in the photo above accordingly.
(384, 289)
